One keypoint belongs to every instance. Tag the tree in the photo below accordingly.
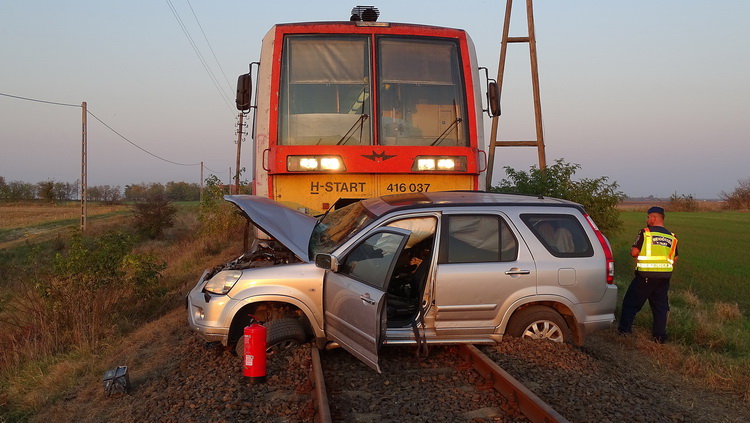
(135, 192)
(111, 195)
(739, 198)
(153, 214)
(599, 198)
(682, 202)
(156, 190)
(66, 190)
(215, 215)
(46, 191)
(17, 190)
(182, 191)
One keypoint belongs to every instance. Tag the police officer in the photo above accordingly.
(655, 251)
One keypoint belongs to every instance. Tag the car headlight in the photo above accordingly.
(222, 282)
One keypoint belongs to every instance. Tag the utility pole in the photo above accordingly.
(240, 133)
(529, 39)
(201, 191)
(84, 211)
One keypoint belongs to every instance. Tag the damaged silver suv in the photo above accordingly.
(435, 268)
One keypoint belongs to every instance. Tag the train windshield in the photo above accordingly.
(422, 97)
(326, 91)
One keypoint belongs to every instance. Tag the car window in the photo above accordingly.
(372, 260)
(561, 234)
(477, 238)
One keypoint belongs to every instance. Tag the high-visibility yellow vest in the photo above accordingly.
(657, 252)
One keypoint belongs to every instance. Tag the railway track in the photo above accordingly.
(451, 384)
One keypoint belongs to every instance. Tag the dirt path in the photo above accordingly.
(35, 234)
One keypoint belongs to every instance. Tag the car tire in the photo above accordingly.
(281, 335)
(538, 322)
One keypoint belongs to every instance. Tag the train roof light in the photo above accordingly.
(365, 14)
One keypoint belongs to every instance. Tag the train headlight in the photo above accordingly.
(446, 164)
(330, 163)
(426, 164)
(440, 164)
(308, 163)
(314, 164)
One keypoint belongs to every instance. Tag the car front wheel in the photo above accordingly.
(539, 322)
(281, 335)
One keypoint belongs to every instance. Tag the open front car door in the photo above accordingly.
(354, 297)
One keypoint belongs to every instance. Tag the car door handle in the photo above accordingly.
(366, 298)
(517, 271)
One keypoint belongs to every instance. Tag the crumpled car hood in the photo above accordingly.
(289, 227)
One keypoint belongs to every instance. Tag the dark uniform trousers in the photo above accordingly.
(655, 290)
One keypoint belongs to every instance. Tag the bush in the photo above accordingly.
(739, 199)
(599, 198)
(216, 215)
(92, 283)
(684, 203)
(152, 215)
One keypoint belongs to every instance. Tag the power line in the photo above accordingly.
(210, 47)
(107, 126)
(138, 146)
(200, 56)
(211, 170)
(40, 101)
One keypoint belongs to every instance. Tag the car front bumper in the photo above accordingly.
(206, 313)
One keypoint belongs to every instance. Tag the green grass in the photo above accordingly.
(709, 319)
(713, 248)
(710, 289)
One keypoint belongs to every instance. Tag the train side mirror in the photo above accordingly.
(244, 92)
(493, 98)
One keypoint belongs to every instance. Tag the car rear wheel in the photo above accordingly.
(539, 322)
(281, 335)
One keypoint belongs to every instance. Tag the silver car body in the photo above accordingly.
(348, 296)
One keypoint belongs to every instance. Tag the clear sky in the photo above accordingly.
(654, 95)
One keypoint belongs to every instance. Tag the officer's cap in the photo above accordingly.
(656, 209)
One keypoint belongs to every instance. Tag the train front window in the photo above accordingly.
(325, 91)
(420, 92)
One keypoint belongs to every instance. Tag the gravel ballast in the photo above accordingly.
(175, 378)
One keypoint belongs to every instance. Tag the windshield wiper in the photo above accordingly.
(442, 136)
(359, 122)
(316, 237)
(323, 216)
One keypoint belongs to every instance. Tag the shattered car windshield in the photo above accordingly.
(337, 227)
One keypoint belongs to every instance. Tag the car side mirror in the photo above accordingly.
(327, 262)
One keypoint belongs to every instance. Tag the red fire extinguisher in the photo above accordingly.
(255, 353)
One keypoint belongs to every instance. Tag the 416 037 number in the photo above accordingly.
(404, 187)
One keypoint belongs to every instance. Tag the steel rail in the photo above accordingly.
(320, 395)
(519, 396)
(521, 401)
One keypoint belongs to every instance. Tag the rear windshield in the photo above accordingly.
(562, 234)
